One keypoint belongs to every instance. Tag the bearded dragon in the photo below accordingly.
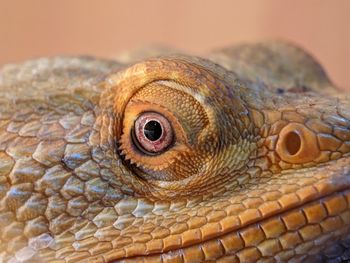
(238, 156)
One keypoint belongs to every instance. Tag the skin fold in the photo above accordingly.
(258, 169)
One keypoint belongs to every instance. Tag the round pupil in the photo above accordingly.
(153, 130)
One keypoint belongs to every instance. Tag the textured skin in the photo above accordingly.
(260, 167)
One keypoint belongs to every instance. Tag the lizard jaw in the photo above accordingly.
(282, 226)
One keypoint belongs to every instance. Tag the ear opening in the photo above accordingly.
(297, 144)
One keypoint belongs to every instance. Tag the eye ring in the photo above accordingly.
(152, 133)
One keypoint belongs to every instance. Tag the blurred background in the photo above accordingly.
(106, 28)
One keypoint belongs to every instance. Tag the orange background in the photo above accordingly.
(35, 28)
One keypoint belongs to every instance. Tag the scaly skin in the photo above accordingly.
(259, 169)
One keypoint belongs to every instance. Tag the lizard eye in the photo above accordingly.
(168, 126)
(152, 133)
(158, 133)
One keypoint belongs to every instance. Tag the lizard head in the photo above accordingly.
(176, 159)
